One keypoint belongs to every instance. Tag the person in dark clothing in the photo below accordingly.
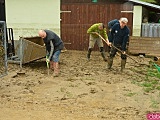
(54, 45)
(119, 38)
(110, 25)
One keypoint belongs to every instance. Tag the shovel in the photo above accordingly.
(47, 65)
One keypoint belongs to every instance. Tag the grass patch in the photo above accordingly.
(150, 81)
(69, 94)
(130, 94)
(154, 104)
(63, 89)
(146, 84)
(148, 89)
(158, 87)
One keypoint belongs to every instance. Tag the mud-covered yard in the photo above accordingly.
(85, 90)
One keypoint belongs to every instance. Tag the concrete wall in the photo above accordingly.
(26, 17)
(137, 20)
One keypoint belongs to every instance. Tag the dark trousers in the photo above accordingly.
(113, 52)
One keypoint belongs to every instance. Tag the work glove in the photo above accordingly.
(47, 60)
(109, 44)
(123, 52)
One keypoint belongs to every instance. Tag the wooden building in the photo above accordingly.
(26, 17)
(78, 15)
(71, 18)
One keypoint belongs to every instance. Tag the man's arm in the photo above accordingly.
(52, 49)
(105, 34)
(92, 29)
(125, 40)
(112, 32)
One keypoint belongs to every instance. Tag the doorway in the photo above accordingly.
(2, 10)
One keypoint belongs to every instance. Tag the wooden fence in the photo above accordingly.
(145, 45)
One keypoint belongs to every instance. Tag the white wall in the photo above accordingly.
(26, 17)
(137, 20)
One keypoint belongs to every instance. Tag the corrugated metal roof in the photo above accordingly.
(145, 4)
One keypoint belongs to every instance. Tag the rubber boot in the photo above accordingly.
(51, 65)
(103, 56)
(89, 53)
(56, 69)
(123, 63)
(110, 62)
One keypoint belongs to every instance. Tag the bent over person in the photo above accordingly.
(110, 25)
(95, 30)
(119, 39)
(54, 45)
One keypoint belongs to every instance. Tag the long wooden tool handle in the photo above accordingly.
(125, 54)
(103, 39)
(116, 48)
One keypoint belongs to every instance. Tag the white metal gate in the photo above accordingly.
(150, 29)
(3, 49)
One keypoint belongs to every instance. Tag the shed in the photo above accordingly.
(78, 15)
(71, 18)
(148, 41)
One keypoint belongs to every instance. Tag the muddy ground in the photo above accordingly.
(85, 90)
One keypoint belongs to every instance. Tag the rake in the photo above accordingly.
(117, 49)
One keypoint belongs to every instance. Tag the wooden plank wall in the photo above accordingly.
(74, 24)
(145, 45)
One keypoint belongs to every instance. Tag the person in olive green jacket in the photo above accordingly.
(95, 30)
